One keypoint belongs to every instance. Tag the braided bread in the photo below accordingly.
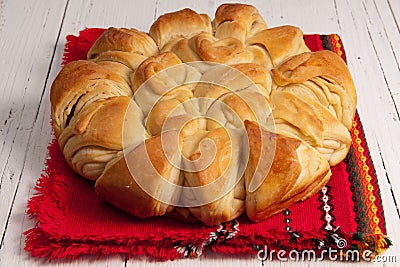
(204, 120)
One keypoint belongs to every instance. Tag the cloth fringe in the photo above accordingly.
(76, 47)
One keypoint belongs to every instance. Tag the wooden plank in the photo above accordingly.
(27, 60)
(385, 38)
(394, 6)
(25, 57)
(376, 107)
(102, 13)
(390, 22)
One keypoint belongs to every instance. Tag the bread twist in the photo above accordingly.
(164, 128)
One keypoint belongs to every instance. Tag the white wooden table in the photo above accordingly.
(32, 37)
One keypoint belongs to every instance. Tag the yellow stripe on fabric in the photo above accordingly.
(337, 45)
(366, 178)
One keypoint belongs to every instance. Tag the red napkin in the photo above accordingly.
(346, 215)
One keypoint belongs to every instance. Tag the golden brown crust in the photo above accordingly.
(283, 172)
(130, 60)
(324, 64)
(211, 49)
(178, 113)
(308, 65)
(258, 75)
(312, 188)
(76, 73)
(222, 195)
(280, 42)
(239, 21)
(183, 23)
(82, 81)
(134, 95)
(205, 47)
(152, 66)
(106, 126)
(122, 50)
(310, 121)
(230, 51)
(124, 40)
(231, 109)
(131, 194)
(221, 79)
(289, 174)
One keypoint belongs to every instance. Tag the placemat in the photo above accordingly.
(345, 216)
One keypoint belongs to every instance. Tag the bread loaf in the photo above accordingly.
(204, 119)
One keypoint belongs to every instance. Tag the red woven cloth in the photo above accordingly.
(73, 221)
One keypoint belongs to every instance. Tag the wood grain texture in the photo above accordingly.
(376, 106)
(31, 57)
(27, 47)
